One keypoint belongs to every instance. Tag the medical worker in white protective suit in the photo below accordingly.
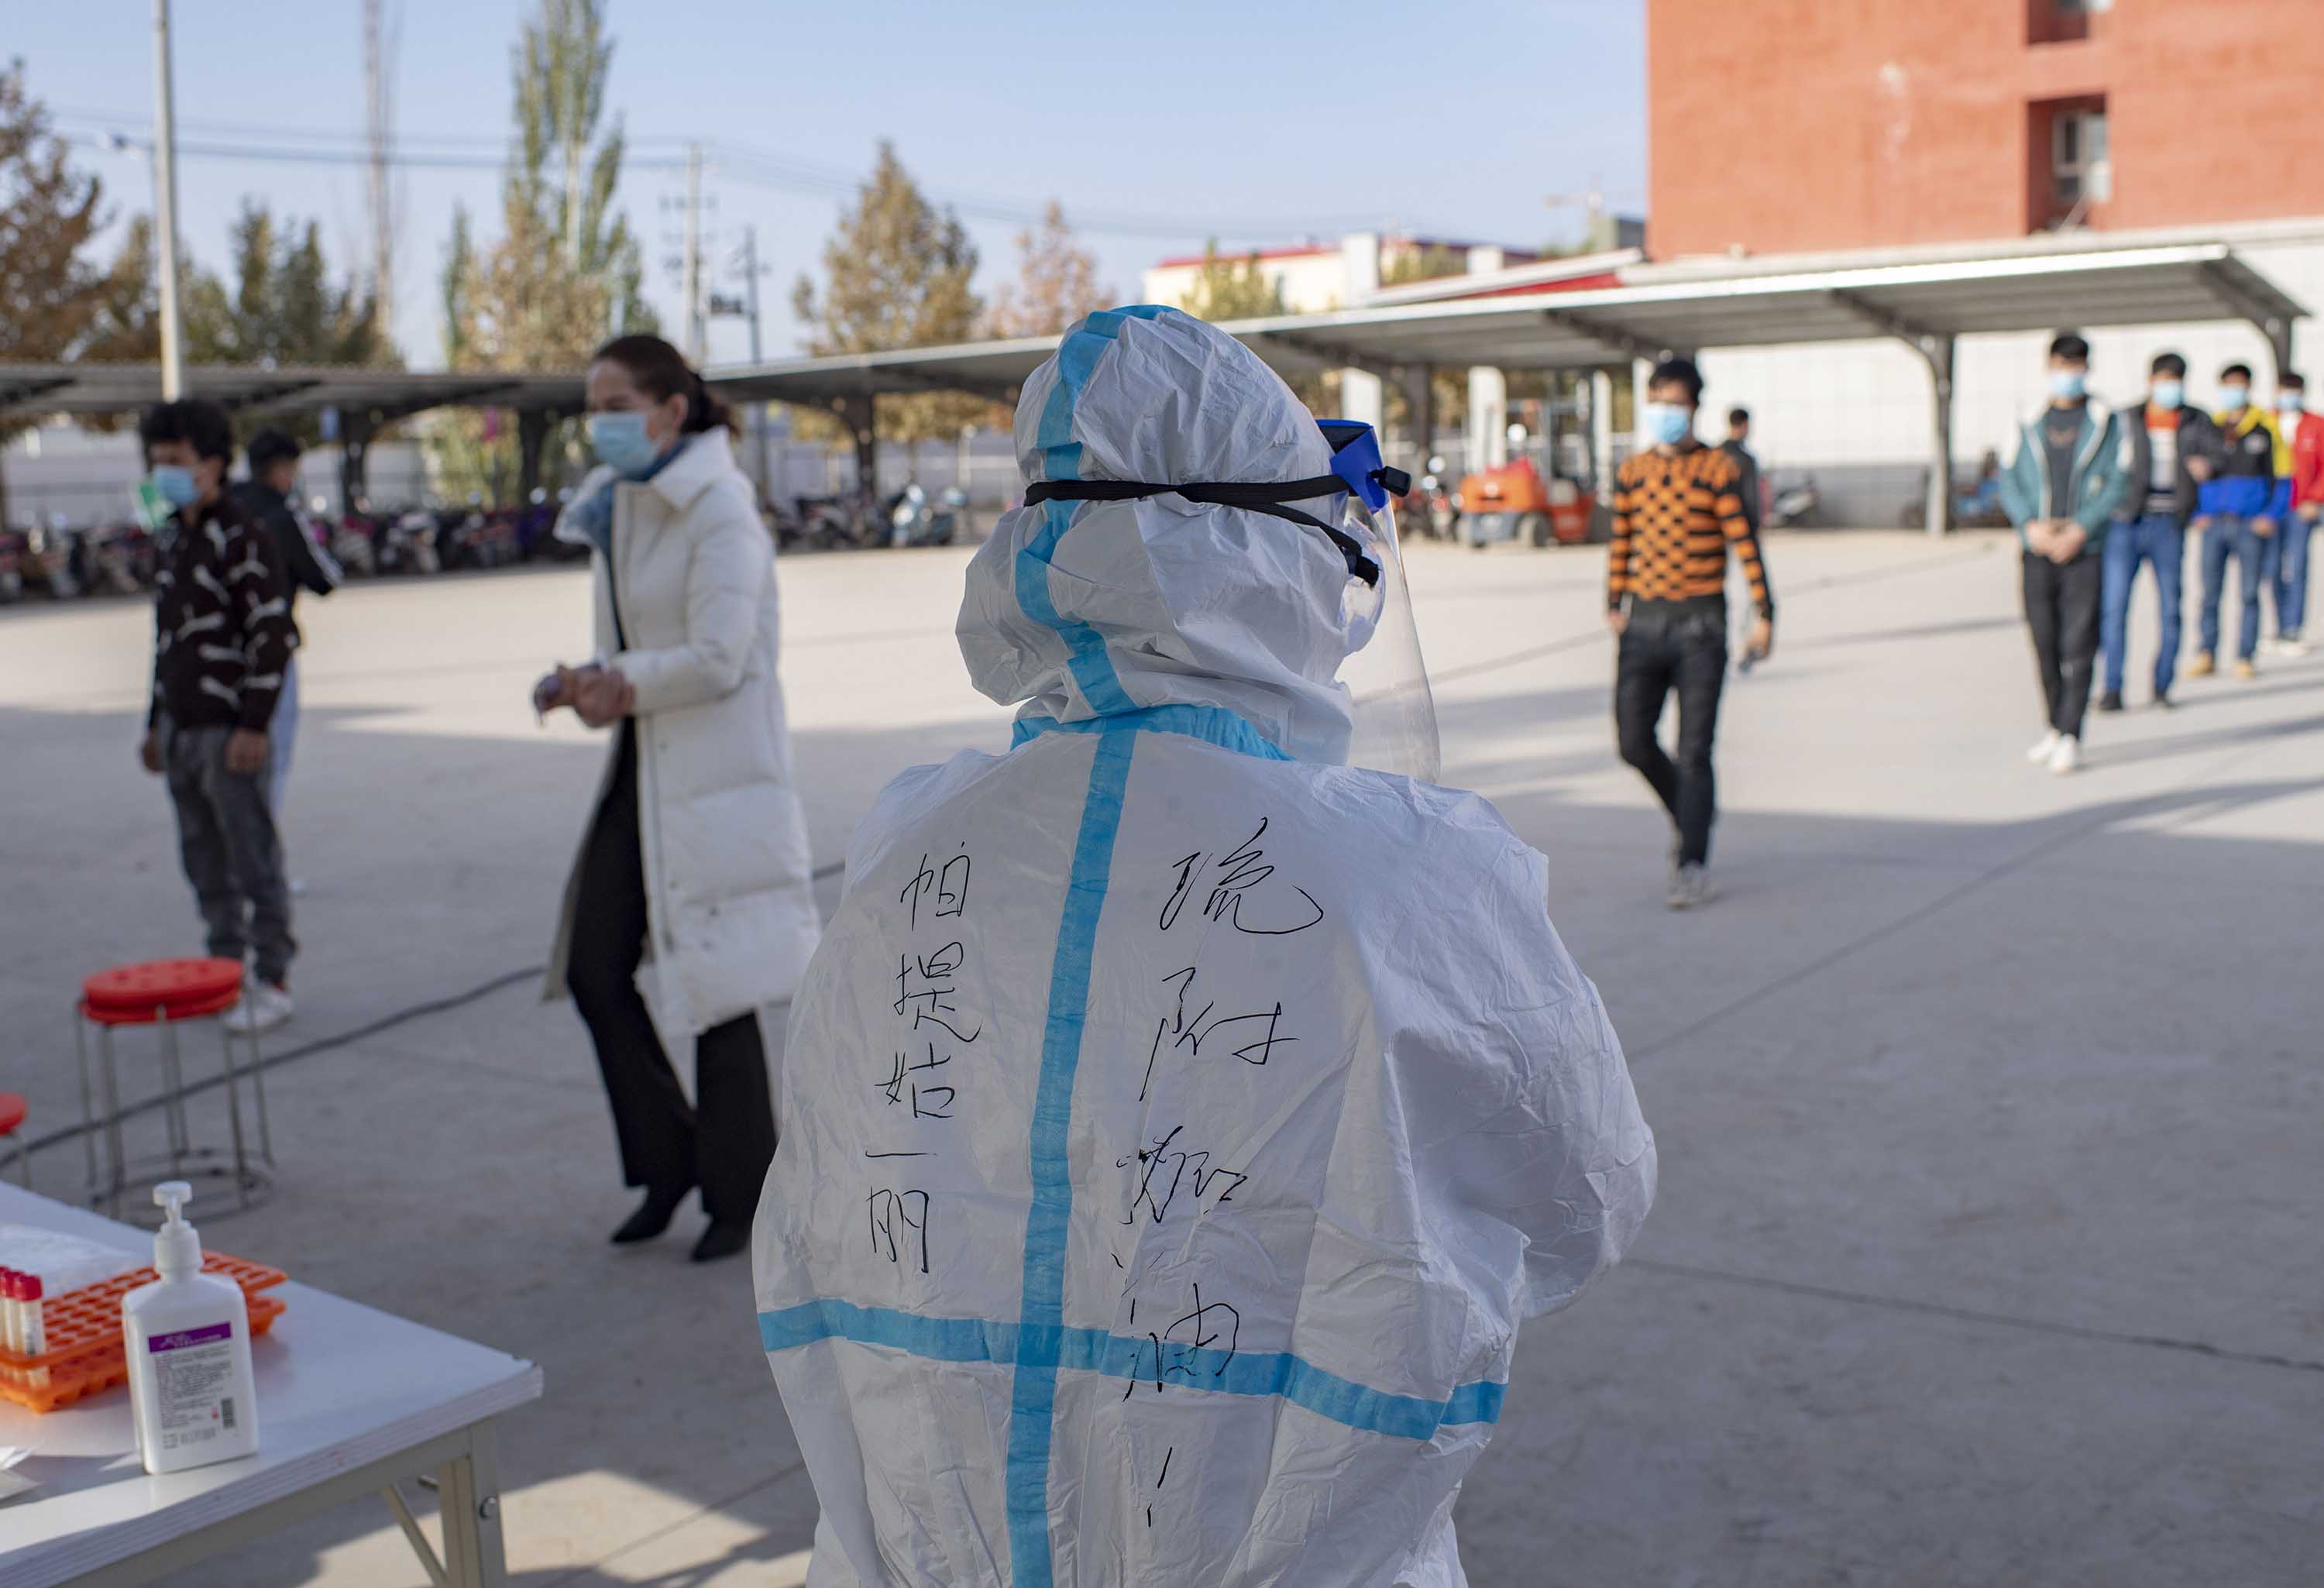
(1179, 1119)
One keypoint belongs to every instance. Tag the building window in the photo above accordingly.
(2061, 21)
(2080, 175)
(2069, 174)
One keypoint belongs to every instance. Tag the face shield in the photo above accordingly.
(1394, 712)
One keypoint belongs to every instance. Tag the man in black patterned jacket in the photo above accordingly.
(222, 639)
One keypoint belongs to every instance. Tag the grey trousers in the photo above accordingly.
(232, 853)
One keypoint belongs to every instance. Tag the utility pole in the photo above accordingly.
(692, 273)
(165, 208)
(758, 408)
(380, 112)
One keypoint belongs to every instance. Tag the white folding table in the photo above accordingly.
(351, 1401)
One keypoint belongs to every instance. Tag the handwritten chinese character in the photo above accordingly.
(1244, 871)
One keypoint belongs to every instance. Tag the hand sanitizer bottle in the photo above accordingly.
(188, 1339)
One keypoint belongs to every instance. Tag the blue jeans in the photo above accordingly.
(2284, 564)
(2155, 539)
(2230, 538)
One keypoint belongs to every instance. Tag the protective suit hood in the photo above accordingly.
(1161, 601)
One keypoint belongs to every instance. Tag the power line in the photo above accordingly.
(757, 168)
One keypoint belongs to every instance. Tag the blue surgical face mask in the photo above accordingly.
(621, 442)
(2290, 402)
(2067, 384)
(2168, 394)
(2234, 397)
(1667, 424)
(176, 485)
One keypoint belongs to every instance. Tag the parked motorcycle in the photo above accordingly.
(121, 560)
(12, 565)
(354, 542)
(1439, 514)
(838, 523)
(52, 551)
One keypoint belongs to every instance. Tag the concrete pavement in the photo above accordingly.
(1987, 1102)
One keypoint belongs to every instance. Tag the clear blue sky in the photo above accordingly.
(1262, 121)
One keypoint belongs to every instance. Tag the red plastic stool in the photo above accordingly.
(11, 1119)
(165, 993)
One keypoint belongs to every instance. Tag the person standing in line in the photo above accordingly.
(2300, 498)
(1678, 507)
(222, 640)
(2170, 447)
(270, 498)
(2060, 493)
(1738, 447)
(2235, 506)
(698, 846)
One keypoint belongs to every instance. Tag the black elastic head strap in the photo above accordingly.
(1268, 497)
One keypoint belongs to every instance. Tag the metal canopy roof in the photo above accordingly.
(114, 388)
(2017, 292)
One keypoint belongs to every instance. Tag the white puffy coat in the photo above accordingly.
(1179, 1126)
(729, 894)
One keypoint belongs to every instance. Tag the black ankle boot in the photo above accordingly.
(652, 1217)
(723, 1238)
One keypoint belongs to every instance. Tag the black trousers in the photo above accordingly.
(726, 1143)
(2062, 611)
(1678, 645)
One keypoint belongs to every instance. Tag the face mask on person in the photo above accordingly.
(621, 442)
(175, 484)
(2167, 394)
(2234, 397)
(1666, 424)
(2290, 402)
(2067, 384)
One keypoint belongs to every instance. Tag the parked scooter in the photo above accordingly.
(836, 523)
(12, 565)
(1794, 504)
(408, 545)
(915, 519)
(121, 560)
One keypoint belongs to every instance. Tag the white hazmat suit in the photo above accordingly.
(1178, 1125)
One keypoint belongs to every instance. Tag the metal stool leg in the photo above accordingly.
(173, 1092)
(233, 1115)
(110, 1084)
(258, 1085)
(87, 1108)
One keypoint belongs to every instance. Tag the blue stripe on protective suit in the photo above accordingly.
(1136, 1357)
(1061, 458)
(1213, 725)
(1040, 1307)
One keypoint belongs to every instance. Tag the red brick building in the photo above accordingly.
(1779, 126)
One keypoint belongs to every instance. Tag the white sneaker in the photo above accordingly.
(2292, 648)
(2068, 755)
(1690, 886)
(262, 1008)
(2045, 748)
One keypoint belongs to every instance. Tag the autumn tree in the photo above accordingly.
(564, 274)
(1228, 288)
(897, 273)
(48, 213)
(1056, 282)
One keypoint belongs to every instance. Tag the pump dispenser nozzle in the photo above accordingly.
(177, 1248)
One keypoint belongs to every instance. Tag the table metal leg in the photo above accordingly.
(469, 1492)
(413, 1536)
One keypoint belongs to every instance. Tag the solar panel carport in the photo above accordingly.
(1926, 303)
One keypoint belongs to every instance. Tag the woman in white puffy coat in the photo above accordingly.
(690, 906)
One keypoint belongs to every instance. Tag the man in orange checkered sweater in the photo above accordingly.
(1677, 509)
